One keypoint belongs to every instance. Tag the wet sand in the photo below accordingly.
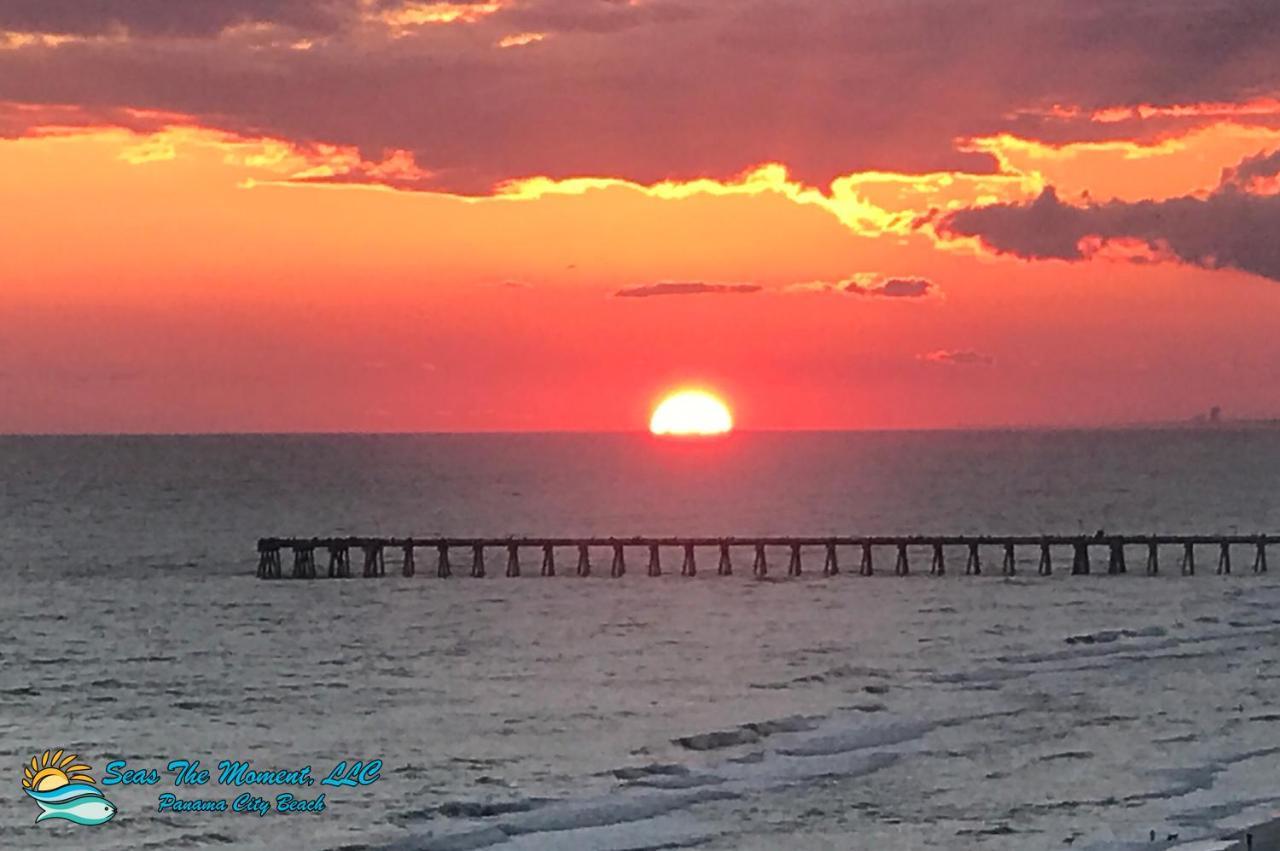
(1263, 837)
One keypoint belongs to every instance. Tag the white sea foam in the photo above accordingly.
(858, 738)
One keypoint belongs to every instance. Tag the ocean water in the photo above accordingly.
(708, 712)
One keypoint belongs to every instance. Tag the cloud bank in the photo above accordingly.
(149, 19)
(1228, 228)
(826, 87)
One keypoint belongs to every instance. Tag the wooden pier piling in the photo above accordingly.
(901, 567)
(304, 561)
(1115, 560)
(1010, 565)
(373, 563)
(973, 565)
(339, 561)
(339, 549)
(268, 562)
(689, 567)
(793, 564)
(1080, 561)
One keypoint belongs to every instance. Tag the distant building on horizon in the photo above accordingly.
(1213, 417)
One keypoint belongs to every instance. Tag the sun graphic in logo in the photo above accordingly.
(48, 772)
(63, 789)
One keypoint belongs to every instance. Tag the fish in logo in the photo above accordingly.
(59, 785)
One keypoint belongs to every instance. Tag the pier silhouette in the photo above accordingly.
(372, 551)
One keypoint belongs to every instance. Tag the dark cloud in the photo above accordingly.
(1264, 166)
(1145, 124)
(181, 18)
(1044, 228)
(1226, 229)
(893, 288)
(17, 120)
(957, 357)
(591, 16)
(686, 288)
(650, 91)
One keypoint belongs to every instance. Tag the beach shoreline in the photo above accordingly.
(1264, 836)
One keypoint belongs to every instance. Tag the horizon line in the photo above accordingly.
(1164, 425)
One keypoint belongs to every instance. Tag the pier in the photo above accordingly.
(759, 555)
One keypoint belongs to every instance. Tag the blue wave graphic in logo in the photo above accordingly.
(79, 803)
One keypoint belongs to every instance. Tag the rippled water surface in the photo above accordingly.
(712, 712)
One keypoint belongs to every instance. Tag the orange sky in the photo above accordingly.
(173, 268)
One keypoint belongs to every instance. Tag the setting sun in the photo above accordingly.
(691, 412)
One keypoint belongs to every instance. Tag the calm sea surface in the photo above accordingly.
(713, 712)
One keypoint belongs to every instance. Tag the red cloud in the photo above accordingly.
(686, 288)
(826, 87)
(957, 357)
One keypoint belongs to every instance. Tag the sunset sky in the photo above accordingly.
(388, 215)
